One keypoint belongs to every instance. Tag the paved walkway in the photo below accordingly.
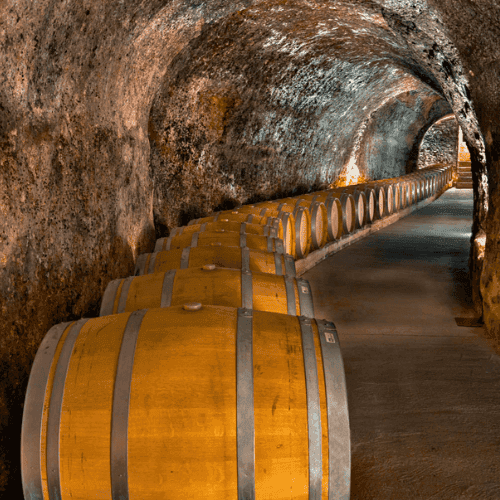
(424, 393)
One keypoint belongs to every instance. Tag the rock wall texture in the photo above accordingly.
(262, 104)
(439, 144)
(120, 119)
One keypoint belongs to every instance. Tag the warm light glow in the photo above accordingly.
(349, 176)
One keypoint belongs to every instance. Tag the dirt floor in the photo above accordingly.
(424, 393)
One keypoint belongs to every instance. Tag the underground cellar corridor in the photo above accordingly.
(311, 129)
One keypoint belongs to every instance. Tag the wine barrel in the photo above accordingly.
(388, 195)
(232, 257)
(301, 217)
(285, 220)
(319, 219)
(361, 204)
(348, 204)
(187, 403)
(396, 190)
(209, 285)
(229, 239)
(377, 192)
(231, 226)
(334, 212)
(238, 217)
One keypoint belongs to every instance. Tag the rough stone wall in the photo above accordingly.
(439, 144)
(262, 105)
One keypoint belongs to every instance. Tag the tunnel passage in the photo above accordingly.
(83, 184)
(327, 98)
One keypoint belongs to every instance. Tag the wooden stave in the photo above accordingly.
(337, 421)
(209, 285)
(230, 257)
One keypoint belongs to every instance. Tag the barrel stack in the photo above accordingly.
(206, 375)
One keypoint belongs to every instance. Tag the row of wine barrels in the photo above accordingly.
(187, 402)
(246, 259)
(286, 222)
(300, 216)
(220, 237)
(317, 216)
(210, 285)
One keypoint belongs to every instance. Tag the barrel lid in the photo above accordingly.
(192, 306)
(209, 267)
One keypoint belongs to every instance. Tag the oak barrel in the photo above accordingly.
(223, 237)
(210, 285)
(301, 218)
(187, 403)
(232, 257)
(334, 212)
(231, 226)
(319, 219)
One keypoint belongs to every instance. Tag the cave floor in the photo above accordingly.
(424, 393)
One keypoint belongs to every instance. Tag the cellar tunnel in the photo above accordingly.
(122, 120)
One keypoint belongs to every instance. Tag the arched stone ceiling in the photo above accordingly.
(285, 96)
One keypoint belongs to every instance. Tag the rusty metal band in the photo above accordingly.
(185, 257)
(269, 244)
(250, 218)
(55, 408)
(339, 439)
(120, 410)
(305, 298)
(152, 263)
(313, 409)
(108, 299)
(167, 288)
(122, 301)
(246, 290)
(314, 198)
(31, 429)
(277, 264)
(245, 420)
(266, 230)
(203, 227)
(140, 264)
(280, 247)
(194, 240)
(243, 228)
(175, 231)
(280, 206)
(290, 296)
(245, 259)
(243, 240)
(263, 212)
(289, 265)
